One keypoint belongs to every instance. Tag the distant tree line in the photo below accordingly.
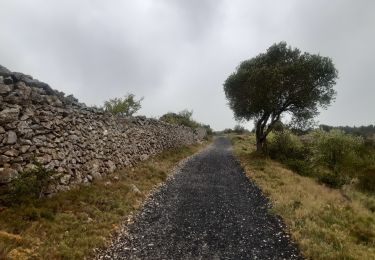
(364, 131)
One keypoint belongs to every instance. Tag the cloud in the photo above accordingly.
(177, 54)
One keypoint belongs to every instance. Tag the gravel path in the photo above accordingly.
(208, 210)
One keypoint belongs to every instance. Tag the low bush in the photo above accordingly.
(29, 185)
(367, 179)
(284, 145)
(333, 157)
(336, 156)
(184, 117)
(336, 150)
(299, 166)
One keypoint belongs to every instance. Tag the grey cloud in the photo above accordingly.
(178, 53)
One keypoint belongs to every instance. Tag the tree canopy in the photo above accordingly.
(282, 80)
(125, 106)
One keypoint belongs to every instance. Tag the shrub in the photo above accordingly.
(30, 185)
(182, 118)
(367, 179)
(336, 150)
(125, 106)
(301, 167)
(285, 145)
(331, 178)
(335, 156)
(238, 129)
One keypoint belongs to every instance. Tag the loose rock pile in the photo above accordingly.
(80, 143)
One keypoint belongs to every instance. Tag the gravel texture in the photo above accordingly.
(209, 209)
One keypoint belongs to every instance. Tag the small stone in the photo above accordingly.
(135, 190)
(4, 159)
(64, 180)
(11, 153)
(44, 159)
(9, 115)
(111, 166)
(11, 137)
(143, 157)
(24, 148)
(7, 174)
(4, 89)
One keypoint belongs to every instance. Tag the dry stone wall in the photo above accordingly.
(80, 143)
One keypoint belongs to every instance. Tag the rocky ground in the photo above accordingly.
(208, 210)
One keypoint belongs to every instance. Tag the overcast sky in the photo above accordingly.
(177, 54)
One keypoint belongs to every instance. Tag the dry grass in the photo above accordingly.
(326, 223)
(71, 224)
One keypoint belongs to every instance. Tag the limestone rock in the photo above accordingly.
(9, 115)
(24, 148)
(11, 137)
(7, 174)
(5, 89)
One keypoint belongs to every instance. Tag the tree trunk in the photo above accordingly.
(259, 145)
(258, 134)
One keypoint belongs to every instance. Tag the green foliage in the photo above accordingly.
(284, 144)
(208, 129)
(299, 166)
(282, 80)
(289, 149)
(334, 157)
(335, 150)
(238, 129)
(182, 118)
(367, 178)
(29, 185)
(364, 131)
(125, 106)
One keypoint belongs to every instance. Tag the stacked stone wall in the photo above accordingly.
(39, 124)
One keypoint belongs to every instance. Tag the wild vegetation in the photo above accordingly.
(327, 223)
(333, 158)
(184, 117)
(282, 80)
(367, 132)
(71, 224)
(238, 129)
(126, 106)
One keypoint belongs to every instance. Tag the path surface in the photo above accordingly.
(208, 210)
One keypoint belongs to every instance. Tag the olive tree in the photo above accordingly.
(282, 80)
(125, 106)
